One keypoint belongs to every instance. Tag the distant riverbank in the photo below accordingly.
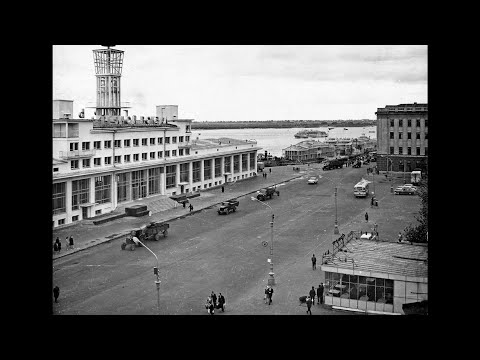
(279, 124)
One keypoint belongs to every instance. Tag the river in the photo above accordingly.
(274, 140)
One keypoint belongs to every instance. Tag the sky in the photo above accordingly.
(251, 82)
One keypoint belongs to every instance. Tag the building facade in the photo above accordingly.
(402, 137)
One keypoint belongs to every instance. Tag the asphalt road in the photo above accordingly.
(224, 253)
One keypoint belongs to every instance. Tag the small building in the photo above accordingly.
(374, 276)
(308, 150)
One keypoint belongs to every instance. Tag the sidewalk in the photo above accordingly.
(86, 234)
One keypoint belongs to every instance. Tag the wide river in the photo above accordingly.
(274, 140)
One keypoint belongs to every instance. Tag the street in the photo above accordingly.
(208, 252)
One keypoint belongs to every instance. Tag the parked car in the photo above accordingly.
(312, 180)
(405, 190)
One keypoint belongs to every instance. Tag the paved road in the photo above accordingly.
(208, 252)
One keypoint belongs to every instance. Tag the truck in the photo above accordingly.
(267, 193)
(152, 231)
(226, 207)
(260, 166)
(333, 164)
(416, 177)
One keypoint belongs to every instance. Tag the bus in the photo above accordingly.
(361, 188)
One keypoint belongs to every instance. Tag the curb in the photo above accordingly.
(169, 219)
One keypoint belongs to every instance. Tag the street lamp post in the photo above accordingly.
(271, 278)
(155, 271)
(335, 231)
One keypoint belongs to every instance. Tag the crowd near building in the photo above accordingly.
(402, 137)
(107, 160)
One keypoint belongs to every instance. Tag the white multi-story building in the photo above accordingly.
(109, 160)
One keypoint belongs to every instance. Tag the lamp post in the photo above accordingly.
(335, 230)
(271, 278)
(155, 271)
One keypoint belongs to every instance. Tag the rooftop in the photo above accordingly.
(219, 142)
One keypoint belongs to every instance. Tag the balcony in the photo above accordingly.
(77, 154)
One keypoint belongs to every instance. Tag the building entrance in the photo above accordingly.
(84, 212)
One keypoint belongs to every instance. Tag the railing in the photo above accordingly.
(76, 154)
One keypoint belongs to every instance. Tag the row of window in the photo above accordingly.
(74, 164)
(107, 144)
(409, 135)
(409, 150)
(409, 122)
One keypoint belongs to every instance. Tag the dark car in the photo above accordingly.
(405, 190)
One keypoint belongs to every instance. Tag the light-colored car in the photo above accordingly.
(313, 180)
(405, 190)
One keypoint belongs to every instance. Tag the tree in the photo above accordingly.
(418, 233)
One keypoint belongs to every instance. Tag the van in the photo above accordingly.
(416, 177)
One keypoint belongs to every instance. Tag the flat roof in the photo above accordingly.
(218, 142)
(382, 257)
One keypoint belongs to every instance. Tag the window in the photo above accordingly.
(61, 221)
(418, 122)
(58, 198)
(72, 130)
(152, 141)
(244, 162)
(74, 146)
(174, 139)
(171, 173)
(59, 131)
(97, 145)
(118, 143)
(126, 143)
(400, 150)
(400, 135)
(135, 157)
(409, 150)
(126, 158)
(227, 166)
(180, 139)
(426, 151)
(426, 122)
(103, 189)
(135, 142)
(218, 167)
(207, 169)
(152, 155)
(108, 160)
(391, 150)
(123, 184)
(187, 138)
(426, 136)
(85, 145)
(187, 151)
(160, 141)
(252, 161)
(80, 193)
(118, 159)
(167, 140)
(409, 135)
(154, 181)
(400, 123)
(55, 169)
(418, 151)
(196, 171)
(392, 122)
(160, 154)
(107, 144)
(86, 163)
(184, 170)
(144, 156)
(236, 163)
(74, 164)
(139, 184)
(74, 218)
(174, 152)
(97, 161)
(167, 153)
(180, 152)
(187, 128)
(144, 142)
(418, 135)
(98, 212)
(391, 135)
(409, 123)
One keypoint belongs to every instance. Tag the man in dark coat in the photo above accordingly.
(314, 262)
(309, 305)
(223, 189)
(221, 302)
(214, 299)
(55, 247)
(320, 294)
(190, 207)
(312, 295)
(366, 217)
(270, 294)
(56, 293)
(71, 242)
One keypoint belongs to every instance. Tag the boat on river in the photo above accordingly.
(304, 134)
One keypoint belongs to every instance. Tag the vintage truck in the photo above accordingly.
(333, 164)
(226, 207)
(152, 231)
(268, 192)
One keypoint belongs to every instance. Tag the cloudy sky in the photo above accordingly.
(243, 82)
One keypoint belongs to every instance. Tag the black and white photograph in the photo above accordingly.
(223, 180)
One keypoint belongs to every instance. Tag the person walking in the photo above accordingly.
(366, 216)
(67, 243)
(320, 294)
(184, 204)
(265, 297)
(71, 242)
(270, 295)
(309, 305)
(223, 189)
(59, 245)
(312, 295)
(314, 262)
(270, 170)
(221, 302)
(56, 293)
(55, 247)
(190, 207)
(214, 299)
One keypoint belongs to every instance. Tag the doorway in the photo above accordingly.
(84, 212)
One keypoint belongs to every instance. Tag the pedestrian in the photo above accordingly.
(320, 294)
(314, 262)
(372, 201)
(221, 302)
(309, 305)
(55, 247)
(207, 304)
(223, 189)
(270, 170)
(56, 293)
(71, 242)
(312, 295)
(59, 244)
(214, 299)
(265, 297)
(366, 216)
(67, 243)
(400, 237)
(190, 207)
(184, 204)
(270, 295)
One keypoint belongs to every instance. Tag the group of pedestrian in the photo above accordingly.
(310, 300)
(268, 295)
(57, 245)
(264, 175)
(212, 304)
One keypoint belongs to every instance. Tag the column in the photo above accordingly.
(212, 169)
(248, 164)
(162, 180)
(222, 170)
(177, 176)
(114, 191)
(232, 166)
(129, 186)
(201, 173)
(68, 201)
(190, 175)
(91, 211)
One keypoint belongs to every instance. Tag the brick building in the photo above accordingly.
(402, 137)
